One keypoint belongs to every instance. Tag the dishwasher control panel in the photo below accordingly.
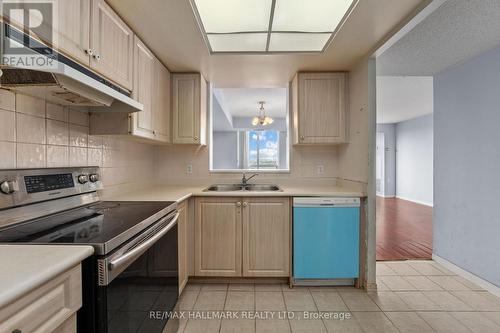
(326, 201)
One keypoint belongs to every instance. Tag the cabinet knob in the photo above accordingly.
(97, 57)
(89, 52)
(301, 138)
(195, 138)
(238, 204)
(245, 204)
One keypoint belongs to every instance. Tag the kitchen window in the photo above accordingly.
(263, 150)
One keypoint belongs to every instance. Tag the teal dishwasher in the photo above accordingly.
(326, 240)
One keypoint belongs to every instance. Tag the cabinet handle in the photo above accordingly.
(245, 204)
(195, 138)
(301, 138)
(154, 133)
(238, 204)
(89, 52)
(97, 57)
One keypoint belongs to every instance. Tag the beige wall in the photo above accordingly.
(36, 134)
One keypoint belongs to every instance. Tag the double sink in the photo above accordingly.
(241, 187)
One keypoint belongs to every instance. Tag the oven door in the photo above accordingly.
(139, 280)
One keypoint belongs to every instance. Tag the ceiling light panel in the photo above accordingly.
(298, 42)
(241, 42)
(309, 16)
(219, 16)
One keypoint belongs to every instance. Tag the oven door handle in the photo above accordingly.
(131, 255)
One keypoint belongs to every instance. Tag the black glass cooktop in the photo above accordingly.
(105, 225)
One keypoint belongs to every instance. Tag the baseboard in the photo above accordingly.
(416, 201)
(386, 196)
(467, 275)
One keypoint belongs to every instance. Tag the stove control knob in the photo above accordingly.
(94, 177)
(82, 179)
(8, 187)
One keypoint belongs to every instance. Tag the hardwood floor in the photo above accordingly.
(404, 230)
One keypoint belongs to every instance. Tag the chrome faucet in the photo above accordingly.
(245, 180)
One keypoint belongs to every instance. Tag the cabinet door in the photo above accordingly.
(144, 67)
(266, 237)
(182, 225)
(322, 108)
(218, 237)
(161, 103)
(189, 108)
(112, 43)
(73, 30)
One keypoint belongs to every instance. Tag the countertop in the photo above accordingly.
(181, 193)
(27, 267)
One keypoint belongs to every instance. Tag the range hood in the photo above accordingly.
(64, 82)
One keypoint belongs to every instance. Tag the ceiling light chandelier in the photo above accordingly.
(262, 119)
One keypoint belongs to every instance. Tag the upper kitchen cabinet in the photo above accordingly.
(111, 44)
(161, 103)
(319, 108)
(189, 108)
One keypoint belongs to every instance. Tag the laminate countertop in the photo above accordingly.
(181, 193)
(27, 267)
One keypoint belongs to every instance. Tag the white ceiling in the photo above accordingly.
(170, 29)
(455, 32)
(244, 102)
(403, 98)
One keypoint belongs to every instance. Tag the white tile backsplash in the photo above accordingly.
(41, 134)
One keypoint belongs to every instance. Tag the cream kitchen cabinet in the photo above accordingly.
(247, 237)
(112, 45)
(182, 233)
(189, 108)
(49, 308)
(218, 237)
(152, 89)
(319, 108)
(266, 236)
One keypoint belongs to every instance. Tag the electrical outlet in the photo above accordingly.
(189, 169)
(320, 169)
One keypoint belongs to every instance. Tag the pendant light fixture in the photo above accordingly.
(262, 119)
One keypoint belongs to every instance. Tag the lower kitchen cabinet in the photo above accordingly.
(266, 236)
(182, 233)
(218, 237)
(247, 237)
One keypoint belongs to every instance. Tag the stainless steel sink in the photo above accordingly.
(262, 188)
(224, 188)
(239, 187)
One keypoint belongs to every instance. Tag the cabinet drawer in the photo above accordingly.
(45, 308)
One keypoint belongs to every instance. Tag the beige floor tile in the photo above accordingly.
(468, 284)
(422, 283)
(272, 326)
(214, 287)
(383, 269)
(446, 301)
(445, 271)
(389, 301)
(302, 325)
(426, 268)
(299, 301)
(175, 326)
(381, 286)
(210, 300)
(408, 322)
(269, 301)
(396, 283)
(493, 316)
(267, 287)
(328, 301)
(240, 300)
(448, 282)
(342, 326)
(443, 322)
(493, 298)
(193, 287)
(417, 301)
(476, 322)
(359, 302)
(375, 322)
(237, 326)
(286, 288)
(402, 268)
(241, 286)
(479, 301)
(202, 326)
(187, 300)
